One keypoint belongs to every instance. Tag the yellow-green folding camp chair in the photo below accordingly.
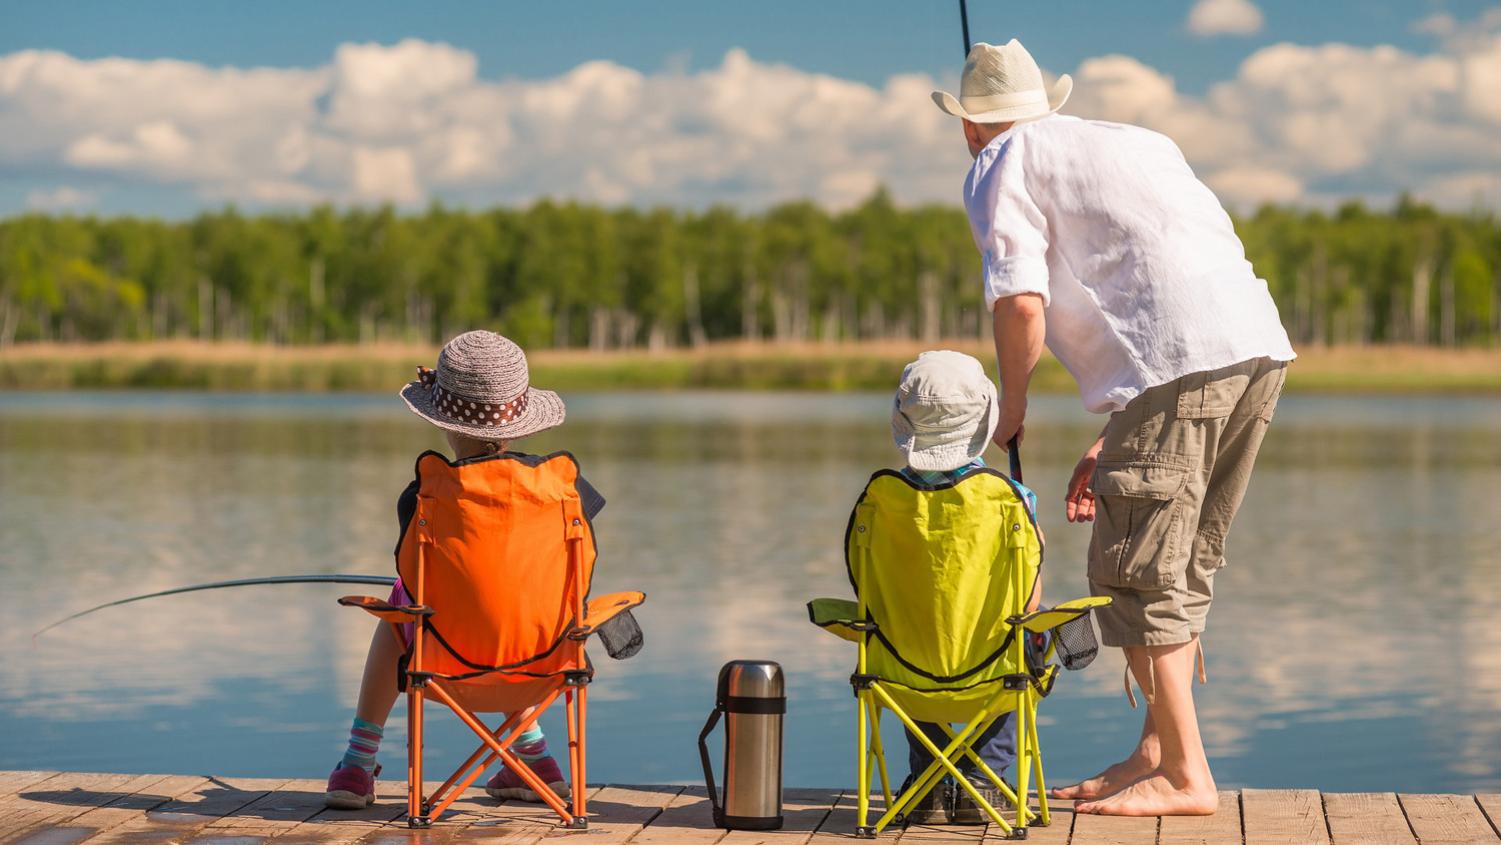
(942, 579)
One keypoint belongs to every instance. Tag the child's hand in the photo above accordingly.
(1078, 503)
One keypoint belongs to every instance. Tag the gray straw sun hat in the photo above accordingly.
(481, 389)
(945, 411)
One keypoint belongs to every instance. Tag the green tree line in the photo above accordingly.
(558, 274)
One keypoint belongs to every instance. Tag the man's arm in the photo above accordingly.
(1019, 330)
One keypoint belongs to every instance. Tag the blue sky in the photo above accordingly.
(866, 40)
(860, 42)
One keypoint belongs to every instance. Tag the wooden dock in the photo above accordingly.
(52, 808)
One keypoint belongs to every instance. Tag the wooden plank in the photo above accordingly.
(15, 781)
(1447, 819)
(687, 820)
(1113, 830)
(947, 834)
(1366, 818)
(1058, 832)
(338, 826)
(101, 819)
(1061, 815)
(1490, 804)
(273, 814)
(618, 813)
(516, 822)
(61, 798)
(1283, 817)
(803, 813)
(839, 827)
(1222, 827)
(189, 812)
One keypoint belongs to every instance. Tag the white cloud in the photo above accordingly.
(407, 122)
(412, 120)
(1313, 123)
(1224, 17)
(61, 198)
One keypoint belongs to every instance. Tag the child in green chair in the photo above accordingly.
(943, 418)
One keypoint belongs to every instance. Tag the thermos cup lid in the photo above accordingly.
(751, 679)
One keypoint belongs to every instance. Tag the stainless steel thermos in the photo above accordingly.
(751, 696)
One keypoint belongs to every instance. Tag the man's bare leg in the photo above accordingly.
(1142, 761)
(1181, 785)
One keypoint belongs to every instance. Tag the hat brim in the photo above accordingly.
(947, 455)
(1057, 96)
(544, 410)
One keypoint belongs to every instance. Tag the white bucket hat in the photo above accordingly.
(1003, 85)
(945, 411)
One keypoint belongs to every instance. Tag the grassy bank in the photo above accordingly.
(243, 367)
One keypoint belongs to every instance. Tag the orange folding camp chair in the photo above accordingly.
(497, 560)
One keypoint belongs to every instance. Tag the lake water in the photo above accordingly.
(1355, 643)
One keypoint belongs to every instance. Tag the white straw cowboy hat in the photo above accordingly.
(1003, 85)
(945, 411)
(481, 389)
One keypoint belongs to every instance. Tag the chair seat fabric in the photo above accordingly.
(941, 571)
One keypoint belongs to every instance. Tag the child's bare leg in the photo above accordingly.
(378, 691)
(351, 786)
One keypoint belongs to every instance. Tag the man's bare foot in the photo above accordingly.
(1110, 781)
(1155, 795)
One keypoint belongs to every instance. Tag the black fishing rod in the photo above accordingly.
(379, 580)
(964, 21)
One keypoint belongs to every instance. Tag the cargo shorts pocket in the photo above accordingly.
(1211, 395)
(1140, 525)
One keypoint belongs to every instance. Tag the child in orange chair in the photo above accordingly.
(480, 396)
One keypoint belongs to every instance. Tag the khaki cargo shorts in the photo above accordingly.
(1172, 473)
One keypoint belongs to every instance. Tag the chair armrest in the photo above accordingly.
(839, 617)
(1046, 619)
(382, 609)
(604, 608)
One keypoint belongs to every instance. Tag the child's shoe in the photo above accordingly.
(508, 784)
(966, 811)
(350, 788)
(932, 808)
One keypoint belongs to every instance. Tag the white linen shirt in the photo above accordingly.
(1141, 274)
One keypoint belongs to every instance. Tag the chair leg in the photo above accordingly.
(416, 812)
(1023, 758)
(580, 756)
(503, 751)
(942, 757)
(880, 754)
(504, 728)
(995, 779)
(1043, 817)
(863, 830)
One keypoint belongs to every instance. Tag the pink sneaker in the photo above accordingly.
(350, 788)
(508, 784)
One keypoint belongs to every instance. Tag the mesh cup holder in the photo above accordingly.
(621, 636)
(1076, 642)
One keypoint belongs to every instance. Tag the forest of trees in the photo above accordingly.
(575, 275)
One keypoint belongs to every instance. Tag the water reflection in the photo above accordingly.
(1356, 644)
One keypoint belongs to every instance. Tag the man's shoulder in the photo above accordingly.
(1065, 133)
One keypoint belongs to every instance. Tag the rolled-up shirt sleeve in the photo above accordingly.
(1010, 231)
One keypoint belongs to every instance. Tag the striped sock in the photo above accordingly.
(364, 741)
(531, 746)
